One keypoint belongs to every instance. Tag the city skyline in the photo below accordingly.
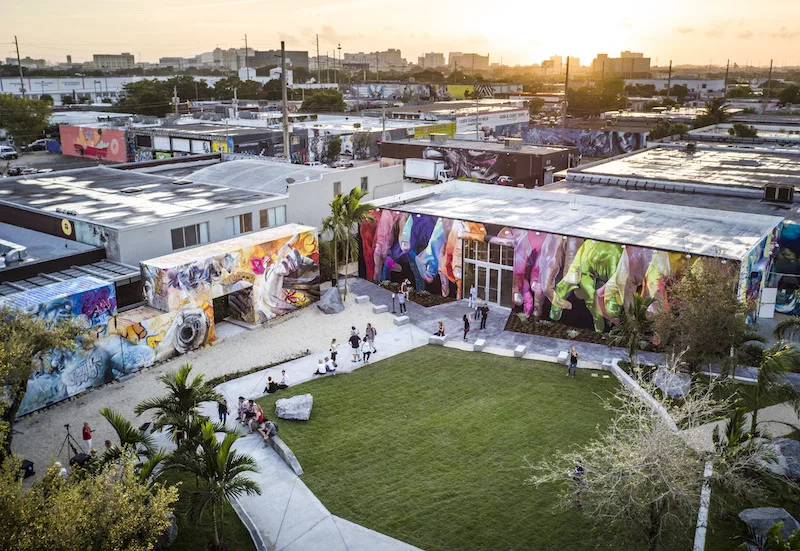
(687, 33)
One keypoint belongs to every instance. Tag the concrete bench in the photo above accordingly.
(361, 299)
(285, 453)
(519, 351)
(438, 341)
(607, 363)
(380, 309)
(479, 345)
(563, 357)
(401, 320)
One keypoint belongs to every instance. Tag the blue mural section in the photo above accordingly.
(786, 270)
(592, 143)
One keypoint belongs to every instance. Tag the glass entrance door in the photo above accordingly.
(490, 268)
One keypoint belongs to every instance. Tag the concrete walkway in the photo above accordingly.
(287, 515)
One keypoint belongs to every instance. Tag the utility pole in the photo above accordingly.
(19, 64)
(727, 68)
(769, 81)
(327, 67)
(564, 106)
(340, 63)
(319, 69)
(246, 71)
(175, 98)
(377, 72)
(669, 78)
(286, 147)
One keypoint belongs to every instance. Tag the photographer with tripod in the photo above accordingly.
(87, 438)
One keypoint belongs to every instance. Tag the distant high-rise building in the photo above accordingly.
(114, 61)
(27, 62)
(69, 59)
(389, 60)
(265, 58)
(431, 60)
(627, 65)
(467, 62)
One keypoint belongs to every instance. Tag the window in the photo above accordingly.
(236, 225)
(189, 236)
(364, 184)
(273, 217)
(337, 188)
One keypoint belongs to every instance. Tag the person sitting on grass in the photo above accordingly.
(267, 430)
(284, 380)
(321, 368)
(271, 387)
(244, 411)
(240, 409)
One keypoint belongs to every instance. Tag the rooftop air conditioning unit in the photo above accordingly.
(778, 194)
(438, 138)
(691, 148)
(513, 143)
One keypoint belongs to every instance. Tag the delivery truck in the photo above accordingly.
(427, 170)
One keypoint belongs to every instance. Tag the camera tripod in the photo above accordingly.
(73, 445)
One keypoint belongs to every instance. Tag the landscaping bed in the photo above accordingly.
(547, 328)
(423, 298)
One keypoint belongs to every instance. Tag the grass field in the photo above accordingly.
(429, 447)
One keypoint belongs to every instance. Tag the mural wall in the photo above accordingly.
(580, 282)
(96, 143)
(482, 166)
(786, 269)
(755, 271)
(592, 143)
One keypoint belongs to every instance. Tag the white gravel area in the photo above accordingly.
(42, 433)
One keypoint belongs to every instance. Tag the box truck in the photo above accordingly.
(426, 170)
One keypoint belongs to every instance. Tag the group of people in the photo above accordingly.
(250, 414)
(361, 348)
(272, 386)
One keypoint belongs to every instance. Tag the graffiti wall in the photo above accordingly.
(786, 269)
(580, 282)
(755, 270)
(592, 143)
(481, 166)
(96, 143)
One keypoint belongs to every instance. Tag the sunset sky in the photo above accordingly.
(519, 31)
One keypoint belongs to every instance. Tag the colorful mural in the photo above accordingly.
(786, 269)
(96, 143)
(592, 143)
(584, 283)
(477, 165)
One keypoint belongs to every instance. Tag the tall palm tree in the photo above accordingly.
(353, 214)
(177, 410)
(132, 441)
(717, 108)
(788, 329)
(334, 225)
(634, 327)
(776, 362)
(221, 473)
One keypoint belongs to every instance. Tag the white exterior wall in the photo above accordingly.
(142, 243)
(309, 202)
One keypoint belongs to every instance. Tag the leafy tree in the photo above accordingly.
(774, 540)
(334, 147)
(361, 143)
(324, 100)
(177, 410)
(24, 118)
(663, 128)
(788, 329)
(716, 113)
(112, 509)
(353, 213)
(634, 328)
(535, 106)
(742, 130)
(24, 341)
(46, 97)
(132, 443)
(334, 225)
(221, 472)
(641, 482)
(680, 91)
(789, 95)
(705, 316)
(188, 88)
(146, 97)
(739, 92)
(223, 88)
(301, 75)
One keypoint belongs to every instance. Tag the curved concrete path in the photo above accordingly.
(287, 516)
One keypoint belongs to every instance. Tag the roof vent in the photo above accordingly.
(513, 143)
(130, 190)
(182, 182)
(438, 137)
(778, 194)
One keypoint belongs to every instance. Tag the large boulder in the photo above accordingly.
(330, 302)
(760, 519)
(296, 407)
(673, 384)
(787, 454)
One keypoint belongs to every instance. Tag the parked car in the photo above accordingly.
(316, 163)
(8, 152)
(343, 164)
(38, 145)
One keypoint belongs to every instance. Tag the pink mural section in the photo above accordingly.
(96, 143)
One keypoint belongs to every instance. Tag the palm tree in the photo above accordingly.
(634, 327)
(334, 224)
(178, 409)
(353, 214)
(771, 384)
(221, 475)
(788, 329)
(717, 109)
(133, 441)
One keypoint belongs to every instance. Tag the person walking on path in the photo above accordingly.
(222, 410)
(366, 351)
(87, 437)
(477, 313)
(473, 296)
(401, 298)
(369, 337)
(355, 343)
(333, 348)
(573, 362)
(466, 326)
(484, 315)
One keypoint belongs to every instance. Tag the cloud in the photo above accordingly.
(784, 32)
(744, 35)
(714, 33)
(684, 30)
(328, 34)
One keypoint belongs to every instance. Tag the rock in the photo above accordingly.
(296, 407)
(330, 302)
(675, 385)
(759, 520)
(787, 454)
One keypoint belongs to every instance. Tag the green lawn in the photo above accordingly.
(195, 536)
(429, 447)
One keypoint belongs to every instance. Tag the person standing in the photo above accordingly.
(369, 337)
(366, 351)
(355, 343)
(333, 348)
(87, 437)
(477, 313)
(401, 298)
(222, 410)
(573, 362)
(473, 296)
(484, 314)
(466, 326)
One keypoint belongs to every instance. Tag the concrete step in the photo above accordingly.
(563, 357)
(438, 341)
(479, 345)
(400, 320)
(361, 299)
(380, 309)
(519, 351)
